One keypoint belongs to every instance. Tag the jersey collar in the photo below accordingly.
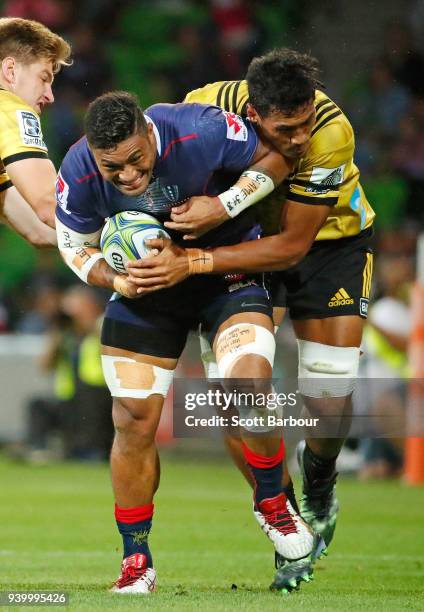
(156, 133)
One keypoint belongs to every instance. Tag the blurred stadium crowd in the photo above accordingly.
(161, 50)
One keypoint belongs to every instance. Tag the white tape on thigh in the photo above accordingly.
(243, 339)
(208, 358)
(127, 377)
(327, 371)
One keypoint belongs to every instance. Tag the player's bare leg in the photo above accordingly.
(245, 346)
(235, 449)
(317, 461)
(134, 460)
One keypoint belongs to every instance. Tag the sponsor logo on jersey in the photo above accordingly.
(30, 129)
(340, 298)
(325, 177)
(241, 285)
(363, 306)
(62, 192)
(234, 277)
(236, 129)
(159, 197)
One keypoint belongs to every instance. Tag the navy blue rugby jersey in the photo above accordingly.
(201, 150)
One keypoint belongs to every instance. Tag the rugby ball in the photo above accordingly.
(123, 237)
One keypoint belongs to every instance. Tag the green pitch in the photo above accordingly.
(57, 532)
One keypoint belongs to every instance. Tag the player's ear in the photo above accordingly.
(8, 66)
(252, 114)
(150, 134)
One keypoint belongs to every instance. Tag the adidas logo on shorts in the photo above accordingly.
(340, 298)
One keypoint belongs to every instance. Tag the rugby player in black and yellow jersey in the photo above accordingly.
(30, 55)
(321, 257)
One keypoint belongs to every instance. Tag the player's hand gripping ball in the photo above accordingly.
(123, 237)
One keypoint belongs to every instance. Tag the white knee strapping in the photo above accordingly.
(243, 339)
(208, 358)
(246, 411)
(127, 377)
(327, 371)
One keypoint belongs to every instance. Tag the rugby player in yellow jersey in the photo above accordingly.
(323, 249)
(30, 55)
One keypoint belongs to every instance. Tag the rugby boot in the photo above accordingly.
(136, 578)
(319, 550)
(318, 504)
(290, 574)
(291, 536)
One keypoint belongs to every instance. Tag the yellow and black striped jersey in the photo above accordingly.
(20, 134)
(326, 174)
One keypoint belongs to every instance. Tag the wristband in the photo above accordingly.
(120, 285)
(89, 263)
(80, 251)
(81, 260)
(250, 188)
(199, 261)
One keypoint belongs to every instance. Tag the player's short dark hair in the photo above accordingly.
(283, 80)
(112, 118)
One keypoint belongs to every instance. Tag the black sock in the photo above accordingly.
(318, 468)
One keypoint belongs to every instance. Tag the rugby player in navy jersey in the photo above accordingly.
(149, 162)
(320, 252)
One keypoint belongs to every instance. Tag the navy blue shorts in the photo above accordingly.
(158, 323)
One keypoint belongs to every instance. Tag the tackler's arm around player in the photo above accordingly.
(170, 266)
(300, 225)
(174, 264)
(200, 214)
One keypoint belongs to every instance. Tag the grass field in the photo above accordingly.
(58, 532)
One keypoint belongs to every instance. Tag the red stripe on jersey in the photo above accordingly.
(171, 144)
(259, 461)
(86, 177)
(134, 515)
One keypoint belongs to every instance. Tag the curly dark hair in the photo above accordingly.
(112, 118)
(282, 80)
